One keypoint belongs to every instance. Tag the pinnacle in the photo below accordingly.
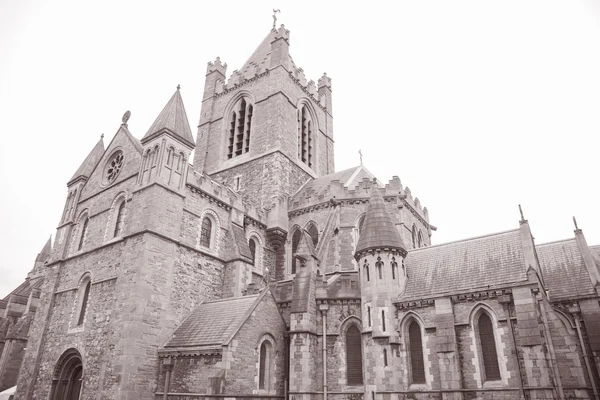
(173, 121)
(88, 165)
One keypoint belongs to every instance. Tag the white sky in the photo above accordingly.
(476, 105)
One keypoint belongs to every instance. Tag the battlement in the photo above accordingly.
(308, 197)
(216, 66)
(223, 194)
(309, 87)
(281, 33)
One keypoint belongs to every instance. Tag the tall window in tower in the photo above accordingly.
(420, 239)
(305, 136)
(414, 236)
(252, 245)
(354, 356)
(487, 345)
(415, 344)
(205, 231)
(295, 242)
(240, 125)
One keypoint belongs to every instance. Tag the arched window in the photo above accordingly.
(265, 381)
(170, 157)
(369, 315)
(415, 345)
(487, 345)
(366, 268)
(83, 294)
(305, 136)
(240, 125)
(385, 360)
(295, 242)
(383, 320)
(313, 231)
(379, 265)
(414, 236)
(68, 375)
(205, 232)
(83, 234)
(354, 361)
(119, 219)
(394, 265)
(420, 239)
(252, 245)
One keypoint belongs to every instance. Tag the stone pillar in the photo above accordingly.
(446, 348)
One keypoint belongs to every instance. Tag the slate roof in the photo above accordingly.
(241, 243)
(212, 323)
(25, 288)
(379, 230)
(477, 263)
(564, 271)
(90, 162)
(350, 178)
(174, 120)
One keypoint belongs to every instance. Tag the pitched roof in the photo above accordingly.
(25, 288)
(213, 322)
(90, 162)
(379, 230)
(564, 270)
(477, 263)
(261, 57)
(350, 178)
(172, 120)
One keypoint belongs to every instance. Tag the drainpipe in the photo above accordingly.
(505, 300)
(168, 364)
(586, 357)
(324, 308)
(556, 373)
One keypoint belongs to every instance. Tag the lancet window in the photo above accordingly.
(305, 136)
(354, 361)
(240, 126)
(487, 345)
(415, 345)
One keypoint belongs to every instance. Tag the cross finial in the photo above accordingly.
(521, 212)
(275, 16)
(102, 136)
(360, 155)
(178, 86)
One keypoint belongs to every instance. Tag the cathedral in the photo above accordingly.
(258, 271)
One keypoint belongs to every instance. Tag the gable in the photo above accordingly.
(132, 155)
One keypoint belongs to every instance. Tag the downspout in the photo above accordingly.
(586, 357)
(168, 364)
(556, 373)
(324, 319)
(506, 304)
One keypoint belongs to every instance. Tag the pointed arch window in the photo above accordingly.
(487, 345)
(394, 265)
(415, 345)
(83, 235)
(420, 239)
(414, 236)
(252, 246)
(82, 299)
(295, 242)
(366, 268)
(379, 265)
(119, 219)
(265, 380)
(240, 125)
(354, 361)
(305, 136)
(206, 232)
(313, 232)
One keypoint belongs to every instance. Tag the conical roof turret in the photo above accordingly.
(173, 121)
(379, 230)
(88, 165)
(45, 253)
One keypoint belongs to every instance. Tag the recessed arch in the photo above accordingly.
(295, 242)
(116, 217)
(67, 379)
(256, 245)
(490, 365)
(413, 333)
(308, 129)
(237, 121)
(266, 352)
(313, 231)
(208, 230)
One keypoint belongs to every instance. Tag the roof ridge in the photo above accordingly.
(465, 240)
(555, 241)
(230, 299)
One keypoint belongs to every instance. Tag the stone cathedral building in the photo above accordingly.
(259, 271)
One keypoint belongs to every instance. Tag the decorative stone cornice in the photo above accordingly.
(209, 197)
(251, 221)
(239, 85)
(305, 90)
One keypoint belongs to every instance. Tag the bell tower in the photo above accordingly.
(266, 130)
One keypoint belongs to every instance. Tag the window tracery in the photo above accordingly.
(114, 166)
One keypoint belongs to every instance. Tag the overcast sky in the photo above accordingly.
(476, 105)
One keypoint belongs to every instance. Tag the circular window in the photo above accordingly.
(113, 167)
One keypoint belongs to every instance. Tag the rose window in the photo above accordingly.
(114, 167)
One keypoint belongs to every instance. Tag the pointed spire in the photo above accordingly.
(173, 121)
(45, 253)
(379, 230)
(88, 165)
